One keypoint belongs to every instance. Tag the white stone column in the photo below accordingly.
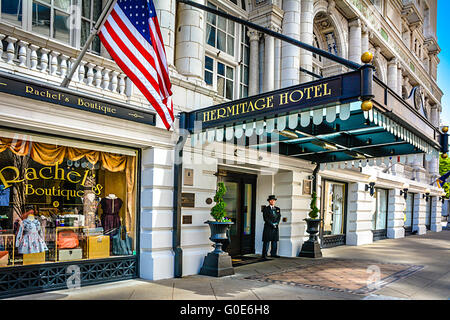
(253, 86)
(396, 213)
(364, 39)
(166, 10)
(190, 39)
(277, 79)
(436, 215)
(400, 80)
(359, 215)
(269, 63)
(290, 63)
(420, 207)
(354, 51)
(392, 74)
(294, 208)
(306, 36)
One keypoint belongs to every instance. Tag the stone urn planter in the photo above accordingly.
(311, 247)
(218, 263)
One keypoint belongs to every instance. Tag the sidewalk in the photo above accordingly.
(415, 267)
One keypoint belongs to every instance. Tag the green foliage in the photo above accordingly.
(218, 211)
(444, 167)
(314, 213)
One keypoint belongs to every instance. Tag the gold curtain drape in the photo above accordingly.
(49, 155)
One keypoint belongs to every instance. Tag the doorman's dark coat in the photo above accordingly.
(271, 221)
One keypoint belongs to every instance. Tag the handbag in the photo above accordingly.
(4, 255)
(67, 239)
(120, 246)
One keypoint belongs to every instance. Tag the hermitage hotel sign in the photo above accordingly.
(275, 102)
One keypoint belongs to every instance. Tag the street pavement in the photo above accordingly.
(416, 267)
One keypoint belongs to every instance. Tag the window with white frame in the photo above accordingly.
(227, 51)
(68, 21)
(244, 63)
(221, 76)
(220, 32)
(12, 11)
(90, 12)
(51, 18)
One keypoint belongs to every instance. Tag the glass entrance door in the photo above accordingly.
(241, 202)
(379, 217)
(428, 213)
(409, 213)
(333, 214)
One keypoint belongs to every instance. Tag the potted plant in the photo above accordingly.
(218, 263)
(311, 247)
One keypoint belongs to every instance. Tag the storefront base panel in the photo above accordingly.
(16, 281)
(333, 241)
(193, 260)
(379, 235)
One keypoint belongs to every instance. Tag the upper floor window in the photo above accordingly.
(244, 62)
(90, 12)
(220, 32)
(12, 11)
(68, 21)
(378, 4)
(51, 18)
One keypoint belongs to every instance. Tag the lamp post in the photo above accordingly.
(404, 191)
(371, 186)
(427, 194)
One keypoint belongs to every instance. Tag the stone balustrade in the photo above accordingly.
(39, 57)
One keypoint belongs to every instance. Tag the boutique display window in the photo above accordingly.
(64, 200)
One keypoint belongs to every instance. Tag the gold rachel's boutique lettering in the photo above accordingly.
(96, 106)
(44, 93)
(46, 173)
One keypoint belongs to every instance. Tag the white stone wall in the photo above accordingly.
(396, 214)
(157, 259)
(359, 215)
(195, 241)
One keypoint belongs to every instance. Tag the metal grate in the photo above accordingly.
(379, 234)
(22, 280)
(333, 241)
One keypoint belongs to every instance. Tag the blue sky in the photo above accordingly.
(444, 66)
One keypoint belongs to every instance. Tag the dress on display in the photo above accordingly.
(29, 238)
(110, 217)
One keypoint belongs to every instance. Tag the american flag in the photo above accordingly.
(132, 37)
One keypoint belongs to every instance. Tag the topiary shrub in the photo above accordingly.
(314, 213)
(218, 211)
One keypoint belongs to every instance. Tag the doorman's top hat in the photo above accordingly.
(272, 197)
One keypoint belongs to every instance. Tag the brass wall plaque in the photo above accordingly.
(188, 177)
(187, 219)
(188, 200)
(307, 186)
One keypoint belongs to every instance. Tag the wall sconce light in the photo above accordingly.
(371, 185)
(443, 197)
(427, 194)
(404, 191)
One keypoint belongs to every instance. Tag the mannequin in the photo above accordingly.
(29, 237)
(111, 206)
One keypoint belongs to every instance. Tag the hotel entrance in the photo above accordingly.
(241, 201)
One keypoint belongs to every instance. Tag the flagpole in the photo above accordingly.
(94, 31)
